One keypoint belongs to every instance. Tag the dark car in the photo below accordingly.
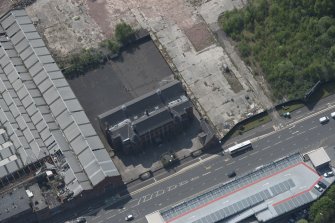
(231, 174)
(80, 220)
(321, 184)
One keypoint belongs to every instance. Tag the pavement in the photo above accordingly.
(209, 170)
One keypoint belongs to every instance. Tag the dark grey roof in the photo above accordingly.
(146, 112)
(14, 203)
(148, 102)
(149, 122)
(39, 110)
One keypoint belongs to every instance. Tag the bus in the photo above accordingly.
(239, 147)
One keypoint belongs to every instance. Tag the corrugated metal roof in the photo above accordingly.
(43, 95)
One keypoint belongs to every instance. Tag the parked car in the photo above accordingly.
(286, 115)
(318, 187)
(328, 174)
(321, 184)
(80, 220)
(332, 115)
(129, 217)
(231, 174)
(324, 119)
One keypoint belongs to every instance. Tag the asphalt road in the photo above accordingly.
(210, 170)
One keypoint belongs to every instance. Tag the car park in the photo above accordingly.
(129, 217)
(321, 184)
(328, 174)
(317, 187)
(324, 119)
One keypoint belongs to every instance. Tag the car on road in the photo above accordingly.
(80, 220)
(321, 184)
(328, 174)
(318, 187)
(129, 217)
(231, 174)
(332, 115)
(324, 119)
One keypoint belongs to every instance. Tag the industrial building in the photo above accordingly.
(261, 195)
(41, 120)
(148, 118)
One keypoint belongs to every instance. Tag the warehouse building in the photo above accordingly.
(40, 117)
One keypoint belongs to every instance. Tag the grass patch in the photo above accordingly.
(290, 108)
(251, 124)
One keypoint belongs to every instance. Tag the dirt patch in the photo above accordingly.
(200, 36)
(108, 14)
(5, 5)
(65, 24)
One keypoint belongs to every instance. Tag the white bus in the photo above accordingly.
(239, 147)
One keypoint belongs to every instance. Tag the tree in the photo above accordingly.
(123, 32)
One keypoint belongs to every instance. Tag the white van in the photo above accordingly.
(324, 119)
(332, 115)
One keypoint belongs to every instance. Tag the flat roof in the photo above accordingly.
(265, 193)
(318, 157)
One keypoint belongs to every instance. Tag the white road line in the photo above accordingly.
(206, 173)
(312, 128)
(301, 133)
(230, 163)
(218, 168)
(292, 127)
(243, 158)
(251, 154)
(289, 137)
(277, 143)
(110, 217)
(265, 148)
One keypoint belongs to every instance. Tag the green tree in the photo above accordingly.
(123, 32)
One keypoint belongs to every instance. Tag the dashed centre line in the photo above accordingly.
(206, 173)
(312, 128)
(265, 148)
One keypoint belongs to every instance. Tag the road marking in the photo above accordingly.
(110, 217)
(201, 161)
(277, 143)
(208, 167)
(294, 132)
(206, 173)
(243, 158)
(194, 178)
(301, 133)
(251, 154)
(265, 148)
(289, 137)
(230, 163)
(218, 168)
(292, 127)
(312, 128)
